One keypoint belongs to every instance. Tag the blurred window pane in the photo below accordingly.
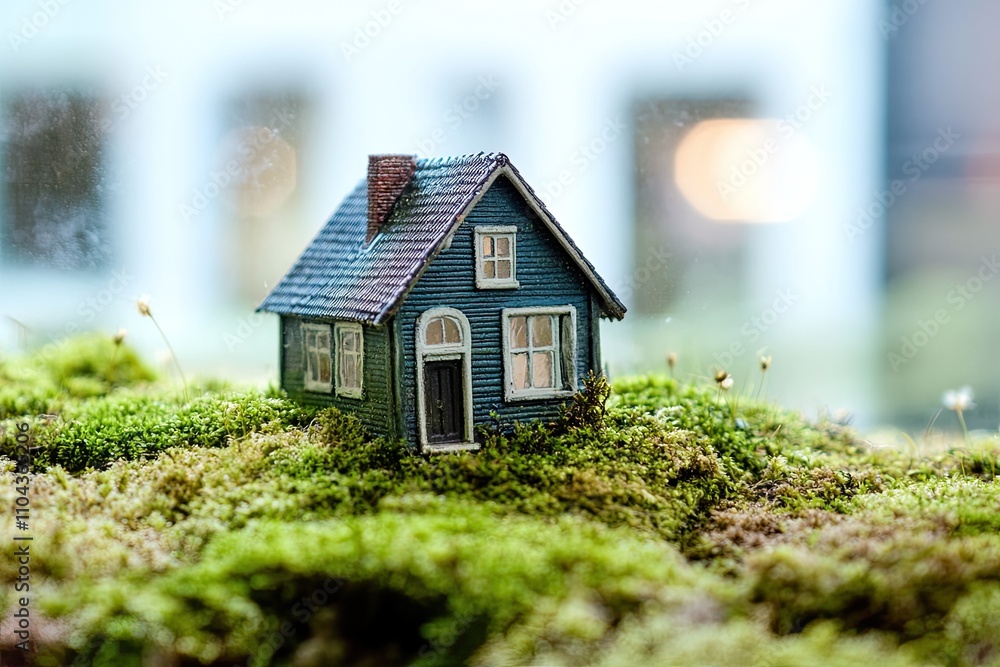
(53, 195)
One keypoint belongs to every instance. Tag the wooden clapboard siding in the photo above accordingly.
(547, 277)
(376, 409)
(595, 335)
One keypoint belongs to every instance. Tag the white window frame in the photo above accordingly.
(566, 348)
(309, 383)
(339, 330)
(496, 231)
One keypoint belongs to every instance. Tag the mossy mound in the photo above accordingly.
(667, 526)
(73, 368)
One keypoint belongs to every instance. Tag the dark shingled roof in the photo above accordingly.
(337, 277)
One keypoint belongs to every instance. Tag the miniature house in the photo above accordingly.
(440, 291)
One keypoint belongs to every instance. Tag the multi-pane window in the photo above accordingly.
(316, 343)
(442, 331)
(540, 352)
(495, 257)
(350, 356)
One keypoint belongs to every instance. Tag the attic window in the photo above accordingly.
(496, 257)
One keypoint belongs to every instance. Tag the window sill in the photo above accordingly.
(484, 283)
(541, 395)
(350, 393)
(451, 447)
(318, 388)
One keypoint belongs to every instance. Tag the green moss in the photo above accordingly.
(658, 528)
(416, 574)
(79, 367)
(129, 425)
(960, 506)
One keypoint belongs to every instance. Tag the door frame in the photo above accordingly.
(425, 353)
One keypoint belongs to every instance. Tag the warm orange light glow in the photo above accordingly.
(747, 170)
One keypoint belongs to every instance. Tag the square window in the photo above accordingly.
(539, 352)
(496, 257)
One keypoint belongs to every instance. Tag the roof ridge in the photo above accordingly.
(452, 160)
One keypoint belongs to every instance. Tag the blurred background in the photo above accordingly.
(817, 182)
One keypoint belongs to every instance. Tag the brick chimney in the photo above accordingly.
(388, 176)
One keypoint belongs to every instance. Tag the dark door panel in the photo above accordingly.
(445, 401)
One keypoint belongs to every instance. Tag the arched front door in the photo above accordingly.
(444, 379)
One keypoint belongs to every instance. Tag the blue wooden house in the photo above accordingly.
(440, 291)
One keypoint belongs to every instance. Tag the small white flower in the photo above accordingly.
(958, 400)
(727, 383)
(142, 303)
